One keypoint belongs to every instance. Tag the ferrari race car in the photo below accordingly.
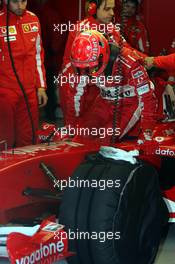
(117, 214)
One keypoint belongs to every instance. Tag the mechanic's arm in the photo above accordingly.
(165, 62)
(40, 72)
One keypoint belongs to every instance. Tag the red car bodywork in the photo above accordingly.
(20, 168)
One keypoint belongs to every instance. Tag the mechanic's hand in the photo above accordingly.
(149, 62)
(42, 97)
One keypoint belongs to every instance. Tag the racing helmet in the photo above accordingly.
(90, 53)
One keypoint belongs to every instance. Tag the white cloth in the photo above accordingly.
(119, 154)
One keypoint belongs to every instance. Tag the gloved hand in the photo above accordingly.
(149, 62)
(146, 142)
(146, 135)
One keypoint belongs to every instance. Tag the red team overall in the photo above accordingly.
(100, 19)
(134, 31)
(28, 56)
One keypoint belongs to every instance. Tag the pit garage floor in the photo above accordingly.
(166, 254)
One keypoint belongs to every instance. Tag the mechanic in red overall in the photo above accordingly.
(134, 31)
(167, 63)
(28, 56)
(136, 100)
(100, 18)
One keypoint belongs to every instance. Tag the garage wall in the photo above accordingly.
(71, 13)
(158, 15)
(55, 12)
(160, 20)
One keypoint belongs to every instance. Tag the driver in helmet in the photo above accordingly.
(125, 79)
(100, 17)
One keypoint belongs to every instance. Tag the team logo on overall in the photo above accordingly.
(26, 28)
(137, 74)
(12, 30)
(3, 31)
(34, 27)
(30, 27)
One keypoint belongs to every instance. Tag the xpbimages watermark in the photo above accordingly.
(80, 235)
(100, 132)
(85, 79)
(93, 183)
(103, 28)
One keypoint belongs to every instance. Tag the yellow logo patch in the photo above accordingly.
(26, 28)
